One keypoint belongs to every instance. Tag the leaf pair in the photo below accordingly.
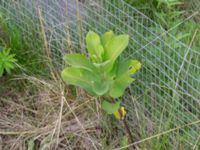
(105, 49)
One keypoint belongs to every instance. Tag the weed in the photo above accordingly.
(7, 61)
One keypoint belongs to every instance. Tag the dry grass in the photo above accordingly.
(49, 115)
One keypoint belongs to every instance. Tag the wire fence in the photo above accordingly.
(166, 93)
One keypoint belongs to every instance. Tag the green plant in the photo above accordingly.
(104, 74)
(7, 61)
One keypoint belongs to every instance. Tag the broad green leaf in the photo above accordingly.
(107, 38)
(80, 77)
(100, 88)
(115, 47)
(123, 77)
(94, 46)
(110, 108)
(105, 66)
(79, 61)
(120, 84)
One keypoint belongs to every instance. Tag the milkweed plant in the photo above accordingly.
(102, 73)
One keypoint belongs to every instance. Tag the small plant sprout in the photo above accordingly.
(102, 73)
(7, 61)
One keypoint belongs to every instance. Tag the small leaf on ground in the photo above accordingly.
(110, 108)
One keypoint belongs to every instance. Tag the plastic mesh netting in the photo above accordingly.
(166, 94)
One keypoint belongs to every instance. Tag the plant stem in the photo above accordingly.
(128, 132)
(126, 126)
